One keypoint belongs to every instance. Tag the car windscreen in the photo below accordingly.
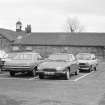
(84, 57)
(60, 57)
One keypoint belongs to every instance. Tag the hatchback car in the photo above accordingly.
(59, 64)
(22, 62)
(87, 61)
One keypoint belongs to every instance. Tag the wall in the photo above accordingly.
(46, 50)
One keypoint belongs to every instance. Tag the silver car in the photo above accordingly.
(87, 61)
(22, 62)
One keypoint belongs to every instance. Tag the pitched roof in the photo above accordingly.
(10, 35)
(61, 38)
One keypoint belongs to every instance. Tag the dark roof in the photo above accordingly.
(61, 38)
(11, 35)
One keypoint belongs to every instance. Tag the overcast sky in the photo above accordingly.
(51, 15)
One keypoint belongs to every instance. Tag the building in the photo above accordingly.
(18, 26)
(7, 37)
(47, 43)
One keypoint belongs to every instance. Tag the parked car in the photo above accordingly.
(59, 64)
(1, 64)
(22, 62)
(3, 56)
(87, 61)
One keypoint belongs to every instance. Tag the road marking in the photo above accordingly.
(82, 76)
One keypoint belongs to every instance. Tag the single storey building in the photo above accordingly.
(47, 43)
(7, 37)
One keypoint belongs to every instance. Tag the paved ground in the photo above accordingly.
(84, 89)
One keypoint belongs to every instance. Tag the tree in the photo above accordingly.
(73, 25)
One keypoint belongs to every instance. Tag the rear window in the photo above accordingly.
(23, 56)
(84, 56)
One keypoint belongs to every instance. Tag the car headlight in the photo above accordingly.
(59, 68)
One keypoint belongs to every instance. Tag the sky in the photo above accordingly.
(52, 15)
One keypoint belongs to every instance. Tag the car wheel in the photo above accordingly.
(90, 69)
(95, 68)
(77, 72)
(34, 72)
(41, 76)
(12, 73)
(67, 75)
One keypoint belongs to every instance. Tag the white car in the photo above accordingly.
(87, 61)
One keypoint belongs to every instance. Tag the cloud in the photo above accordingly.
(50, 15)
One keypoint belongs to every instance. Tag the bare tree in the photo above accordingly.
(73, 25)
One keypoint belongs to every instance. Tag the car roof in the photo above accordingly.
(25, 53)
(91, 54)
(60, 53)
(85, 53)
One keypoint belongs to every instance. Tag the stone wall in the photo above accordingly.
(46, 50)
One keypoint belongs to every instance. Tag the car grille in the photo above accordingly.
(50, 70)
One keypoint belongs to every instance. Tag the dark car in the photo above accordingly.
(1, 64)
(3, 56)
(22, 62)
(60, 64)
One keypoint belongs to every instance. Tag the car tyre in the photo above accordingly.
(12, 74)
(67, 75)
(77, 72)
(90, 69)
(34, 72)
(95, 68)
(41, 76)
